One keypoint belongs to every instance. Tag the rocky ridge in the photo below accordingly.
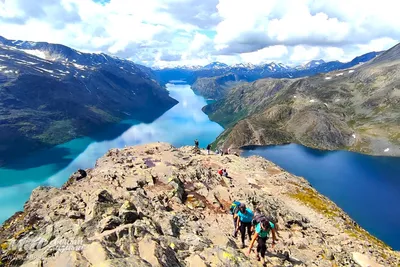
(157, 205)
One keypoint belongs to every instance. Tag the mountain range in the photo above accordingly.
(50, 94)
(250, 72)
(355, 109)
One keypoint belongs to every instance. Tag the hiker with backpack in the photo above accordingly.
(233, 211)
(262, 229)
(208, 149)
(243, 223)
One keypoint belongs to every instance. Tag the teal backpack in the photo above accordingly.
(234, 207)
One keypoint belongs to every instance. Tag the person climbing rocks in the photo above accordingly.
(233, 211)
(262, 230)
(259, 217)
(243, 222)
(196, 143)
(220, 172)
(208, 149)
(225, 173)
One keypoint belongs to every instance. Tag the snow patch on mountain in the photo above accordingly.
(36, 53)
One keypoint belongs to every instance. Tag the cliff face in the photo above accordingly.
(356, 109)
(155, 205)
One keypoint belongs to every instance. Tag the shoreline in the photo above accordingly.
(304, 215)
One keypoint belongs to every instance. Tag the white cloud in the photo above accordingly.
(302, 53)
(266, 54)
(175, 32)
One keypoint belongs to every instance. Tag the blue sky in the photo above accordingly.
(191, 32)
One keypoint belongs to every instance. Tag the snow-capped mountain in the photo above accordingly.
(215, 65)
(50, 93)
(250, 72)
(312, 64)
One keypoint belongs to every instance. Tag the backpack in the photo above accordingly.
(258, 218)
(234, 207)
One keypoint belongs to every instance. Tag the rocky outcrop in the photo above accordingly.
(156, 205)
(355, 109)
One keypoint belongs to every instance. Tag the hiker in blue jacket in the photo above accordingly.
(244, 218)
(262, 231)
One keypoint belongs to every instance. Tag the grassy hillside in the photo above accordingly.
(355, 109)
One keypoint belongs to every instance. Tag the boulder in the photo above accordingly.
(104, 196)
(148, 251)
(67, 258)
(179, 189)
(109, 223)
(132, 261)
(94, 253)
(128, 213)
(76, 215)
(364, 261)
(196, 261)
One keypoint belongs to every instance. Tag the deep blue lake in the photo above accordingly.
(366, 187)
(179, 126)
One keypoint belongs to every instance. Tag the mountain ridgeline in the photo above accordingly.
(250, 72)
(354, 109)
(50, 94)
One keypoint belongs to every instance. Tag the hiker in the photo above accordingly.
(225, 173)
(258, 217)
(229, 151)
(262, 230)
(234, 210)
(243, 222)
(196, 143)
(208, 149)
(220, 172)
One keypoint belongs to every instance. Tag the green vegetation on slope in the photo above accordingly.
(358, 110)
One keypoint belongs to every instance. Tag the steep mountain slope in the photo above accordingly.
(52, 94)
(156, 205)
(249, 72)
(215, 87)
(356, 109)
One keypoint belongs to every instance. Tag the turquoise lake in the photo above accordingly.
(179, 126)
(366, 187)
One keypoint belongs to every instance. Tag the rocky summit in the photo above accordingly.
(157, 205)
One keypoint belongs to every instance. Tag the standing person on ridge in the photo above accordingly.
(262, 230)
(244, 218)
(196, 143)
(208, 149)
